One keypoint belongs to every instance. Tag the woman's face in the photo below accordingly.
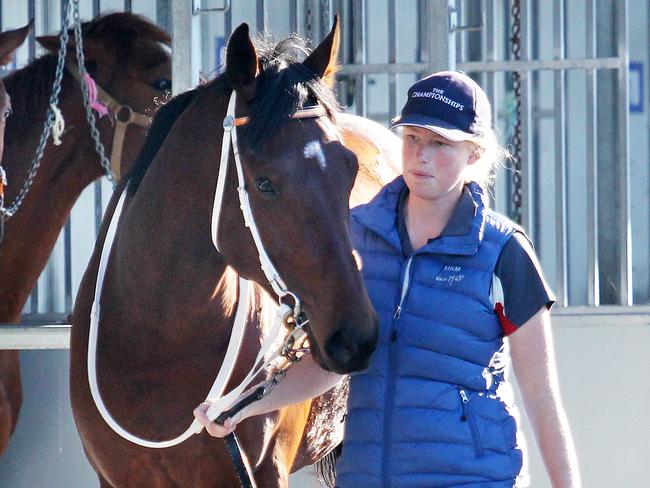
(432, 165)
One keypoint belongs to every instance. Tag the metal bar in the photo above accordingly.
(325, 19)
(293, 16)
(421, 38)
(392, 57)
(488, 42)
(460, 11)
(227, 23)
(128, 7)
(67, 265)
(31, 14)
(528, 199)
(360, 55)
(486, 66)
(593, 278)
(260, 16)
(623, 159)
(96, 7)
(57, 335)
(181, 45)
(559, 81)
(441, 43)
(98, 205)
(308, 10)
(34, 336)
(613, 316)
(536, 65)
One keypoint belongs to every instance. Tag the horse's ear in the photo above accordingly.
(242, 63)
(323, 61)
(51, 43)
(12, 40)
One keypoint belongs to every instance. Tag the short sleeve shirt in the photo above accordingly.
(525, 290)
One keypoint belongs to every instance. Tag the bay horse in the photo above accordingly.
(127, 57)
(168, 297)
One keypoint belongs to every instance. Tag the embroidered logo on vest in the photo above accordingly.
(450, 275)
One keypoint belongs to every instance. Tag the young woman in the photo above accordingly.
(450, 280)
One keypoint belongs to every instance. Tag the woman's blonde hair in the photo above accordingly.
(493, 156)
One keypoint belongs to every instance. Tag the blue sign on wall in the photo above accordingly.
(636, 87)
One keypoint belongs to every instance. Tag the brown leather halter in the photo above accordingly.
(123, 115)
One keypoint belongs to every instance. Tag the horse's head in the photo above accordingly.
(9, 42)
(128, 57)
(299, 177)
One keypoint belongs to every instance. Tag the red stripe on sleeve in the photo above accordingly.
(506, 325)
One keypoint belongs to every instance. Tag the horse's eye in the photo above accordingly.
(264, 185)
(162, 84)
(7, 113)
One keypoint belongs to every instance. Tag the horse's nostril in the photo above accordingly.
(341, 347)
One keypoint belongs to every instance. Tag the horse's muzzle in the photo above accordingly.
(349, 348)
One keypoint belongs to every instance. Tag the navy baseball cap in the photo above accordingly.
(448, 103)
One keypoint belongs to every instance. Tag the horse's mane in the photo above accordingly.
(160, 127)
(30, 87)
(284, 86)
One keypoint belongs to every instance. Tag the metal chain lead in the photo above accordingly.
(90, 116)
(516, 136)
(7, 213)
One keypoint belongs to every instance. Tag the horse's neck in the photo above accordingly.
(31, 234)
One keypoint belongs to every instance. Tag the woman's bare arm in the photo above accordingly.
(533, 358)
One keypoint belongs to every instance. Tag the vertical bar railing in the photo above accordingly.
(359, 33)
(260, 15)
(227, 23)
(593, 278)
(421, 38)
(392, 57)
(31, 13)
(181, 45)
(441, 45)
(293, 16)
(623, 159)
(98, 184)
(559, 79)
(527, 163)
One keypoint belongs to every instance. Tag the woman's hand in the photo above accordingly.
(213, 428)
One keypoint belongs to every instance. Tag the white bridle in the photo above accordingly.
(284, 315)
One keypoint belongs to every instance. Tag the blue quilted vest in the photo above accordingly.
(433, 407)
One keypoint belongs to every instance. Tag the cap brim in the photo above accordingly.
(438, 126)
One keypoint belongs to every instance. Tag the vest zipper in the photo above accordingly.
(405, 287)
(468, 417)
(390, 380)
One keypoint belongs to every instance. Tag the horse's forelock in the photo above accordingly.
(285, 85)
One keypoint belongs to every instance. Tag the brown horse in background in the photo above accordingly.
(168, 299)
(125, 56)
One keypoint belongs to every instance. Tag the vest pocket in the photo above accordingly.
(468, 417)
